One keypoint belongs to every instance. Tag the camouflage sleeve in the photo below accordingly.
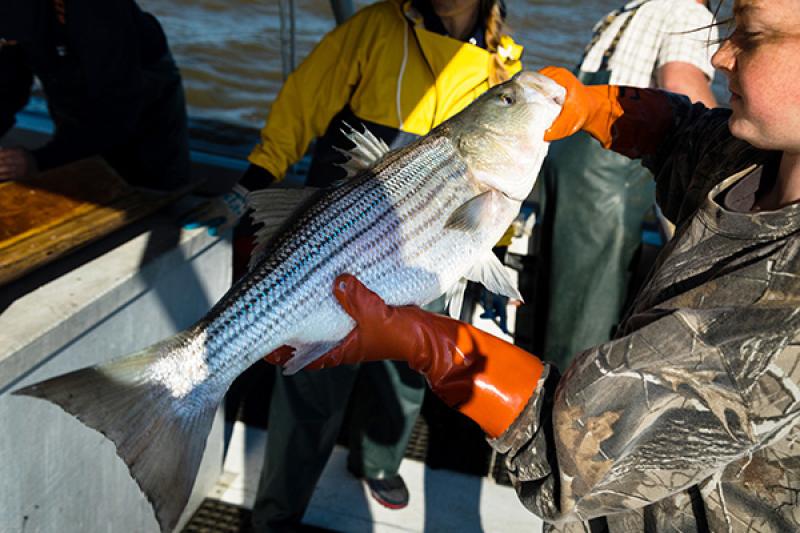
(678, 165)
(644, 416)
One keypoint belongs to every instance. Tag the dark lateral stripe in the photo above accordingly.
(326, 217)
(380, 223)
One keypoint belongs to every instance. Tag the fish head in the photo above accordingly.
(501, 134)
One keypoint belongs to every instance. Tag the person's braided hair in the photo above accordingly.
(493, 12)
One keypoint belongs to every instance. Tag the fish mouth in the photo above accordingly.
(542, 85)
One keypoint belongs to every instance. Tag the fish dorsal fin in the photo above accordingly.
(491, 273)
(468, 216)
(272, 207)
(367, 151)
(454, 298)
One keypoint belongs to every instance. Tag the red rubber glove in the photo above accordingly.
(628, 120)
(486, 378)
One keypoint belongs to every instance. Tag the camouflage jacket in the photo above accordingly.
(687, 420)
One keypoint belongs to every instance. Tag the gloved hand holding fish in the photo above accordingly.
(411, 224)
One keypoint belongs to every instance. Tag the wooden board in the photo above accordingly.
(63, 209)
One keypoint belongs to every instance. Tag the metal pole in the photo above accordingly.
(287, 36)
(342, 10)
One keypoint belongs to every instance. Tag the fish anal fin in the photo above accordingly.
(454, 298)
(491, 273)
(306, 354)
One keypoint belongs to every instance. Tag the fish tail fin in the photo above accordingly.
(160, 437)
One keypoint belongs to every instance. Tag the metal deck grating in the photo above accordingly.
(215, 516)
(417, 448)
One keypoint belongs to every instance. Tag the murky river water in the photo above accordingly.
(230, 54)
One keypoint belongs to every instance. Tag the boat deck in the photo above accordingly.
(441, 500)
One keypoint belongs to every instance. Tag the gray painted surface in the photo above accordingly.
(114, 297)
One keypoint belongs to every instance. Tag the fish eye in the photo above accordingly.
(506, 98)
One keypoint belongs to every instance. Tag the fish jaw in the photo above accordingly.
(501, 135)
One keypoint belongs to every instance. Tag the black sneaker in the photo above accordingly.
(391, 492)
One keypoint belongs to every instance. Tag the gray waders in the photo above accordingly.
(594, 201)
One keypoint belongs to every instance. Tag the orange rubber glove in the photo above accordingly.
(628, 120)
(485, 378)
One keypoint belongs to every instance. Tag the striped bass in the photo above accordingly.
(412, 224)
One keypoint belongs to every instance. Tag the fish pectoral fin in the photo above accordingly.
(272, 208)
(367, 151)
(454, 298)
(468, 216)
(491, 273)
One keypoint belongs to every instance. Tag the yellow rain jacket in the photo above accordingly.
(388, 69)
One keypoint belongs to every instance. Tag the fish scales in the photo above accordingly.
(411, 227)
(408, 191)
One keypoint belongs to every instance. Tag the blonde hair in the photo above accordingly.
(492, 13)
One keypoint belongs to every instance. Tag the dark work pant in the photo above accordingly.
(306, 414)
